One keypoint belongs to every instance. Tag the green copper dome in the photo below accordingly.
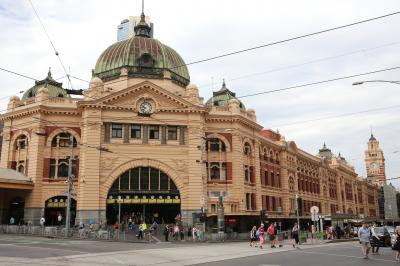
(222, 97)
(143, 57)
(54, 88)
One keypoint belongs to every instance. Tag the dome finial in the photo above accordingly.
(142, 29)
(49, 73)
(223, 84)
(324, 147)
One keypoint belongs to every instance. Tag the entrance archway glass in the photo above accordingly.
(58, 205)
(143, 193)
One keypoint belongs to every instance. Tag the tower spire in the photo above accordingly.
(142, 29)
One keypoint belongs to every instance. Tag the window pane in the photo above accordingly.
(136, 131)
(116, 130)
(124, 183)
(163, 181)
(154, 132)
(115, 185)
(62, 168)
(214, 145)
(52, 168)
(154, 178)
(172, 133)
(144, 178)
(135, 179)
(172, 185)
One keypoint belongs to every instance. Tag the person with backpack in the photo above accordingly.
(253, 237)
(260, 232)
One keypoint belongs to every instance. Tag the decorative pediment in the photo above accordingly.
(132, 97)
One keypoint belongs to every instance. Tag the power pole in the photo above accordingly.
(69, 183)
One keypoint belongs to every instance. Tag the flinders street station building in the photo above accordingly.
(145, 141)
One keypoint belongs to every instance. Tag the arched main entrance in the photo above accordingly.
(143, 192)
(58, 205)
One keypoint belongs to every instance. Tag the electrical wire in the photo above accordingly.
(249, 75)
(287, 40)
(337, 116)
(51, 42)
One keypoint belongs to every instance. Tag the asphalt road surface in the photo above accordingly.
(346, 254)
(26, 250)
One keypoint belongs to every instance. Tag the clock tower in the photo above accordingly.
(375, 162)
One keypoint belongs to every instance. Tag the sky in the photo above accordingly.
(81, 30)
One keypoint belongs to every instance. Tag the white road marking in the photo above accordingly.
(346, 256)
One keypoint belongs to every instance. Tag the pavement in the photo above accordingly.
(23, 250)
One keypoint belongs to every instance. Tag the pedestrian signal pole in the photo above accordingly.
(297, 214)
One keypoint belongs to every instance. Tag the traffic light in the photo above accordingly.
(300, 206)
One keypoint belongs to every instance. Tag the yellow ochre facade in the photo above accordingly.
(142, 132)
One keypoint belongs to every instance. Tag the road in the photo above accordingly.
(25, 250)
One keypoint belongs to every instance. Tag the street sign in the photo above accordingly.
(314, 209)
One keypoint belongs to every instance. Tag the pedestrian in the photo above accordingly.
(271, 235)
(42, 221)
(364, 234)
(313, 233)
(189, 232)
(396, 244)
(260, 231)
(59, 219)
(166, 232)
(140, 231)
(12, 220)
(253, 238)
(295, 235)
(375, 240)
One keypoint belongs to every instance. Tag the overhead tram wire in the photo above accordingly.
(287, 40)
(51, 42)
(337, 116)
(249, 75)
(320, 82)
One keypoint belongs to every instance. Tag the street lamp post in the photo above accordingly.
(297, 214)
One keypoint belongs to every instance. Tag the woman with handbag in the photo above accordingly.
(396, 245)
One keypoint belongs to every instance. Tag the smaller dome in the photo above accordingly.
(372, 137)
(54, 88)
(222, 97)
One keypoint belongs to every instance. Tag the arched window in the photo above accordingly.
(62, 140)
(214, 171)
(215, 145)
(21, 142)
(62, 168)
(247, 149)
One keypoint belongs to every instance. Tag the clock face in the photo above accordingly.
(145, 107)
(374, 166)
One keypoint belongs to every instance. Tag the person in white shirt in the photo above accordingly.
(375, 243)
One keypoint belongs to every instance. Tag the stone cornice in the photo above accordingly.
(39, 109)
(106, 101)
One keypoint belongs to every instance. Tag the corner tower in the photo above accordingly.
(375, 161)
